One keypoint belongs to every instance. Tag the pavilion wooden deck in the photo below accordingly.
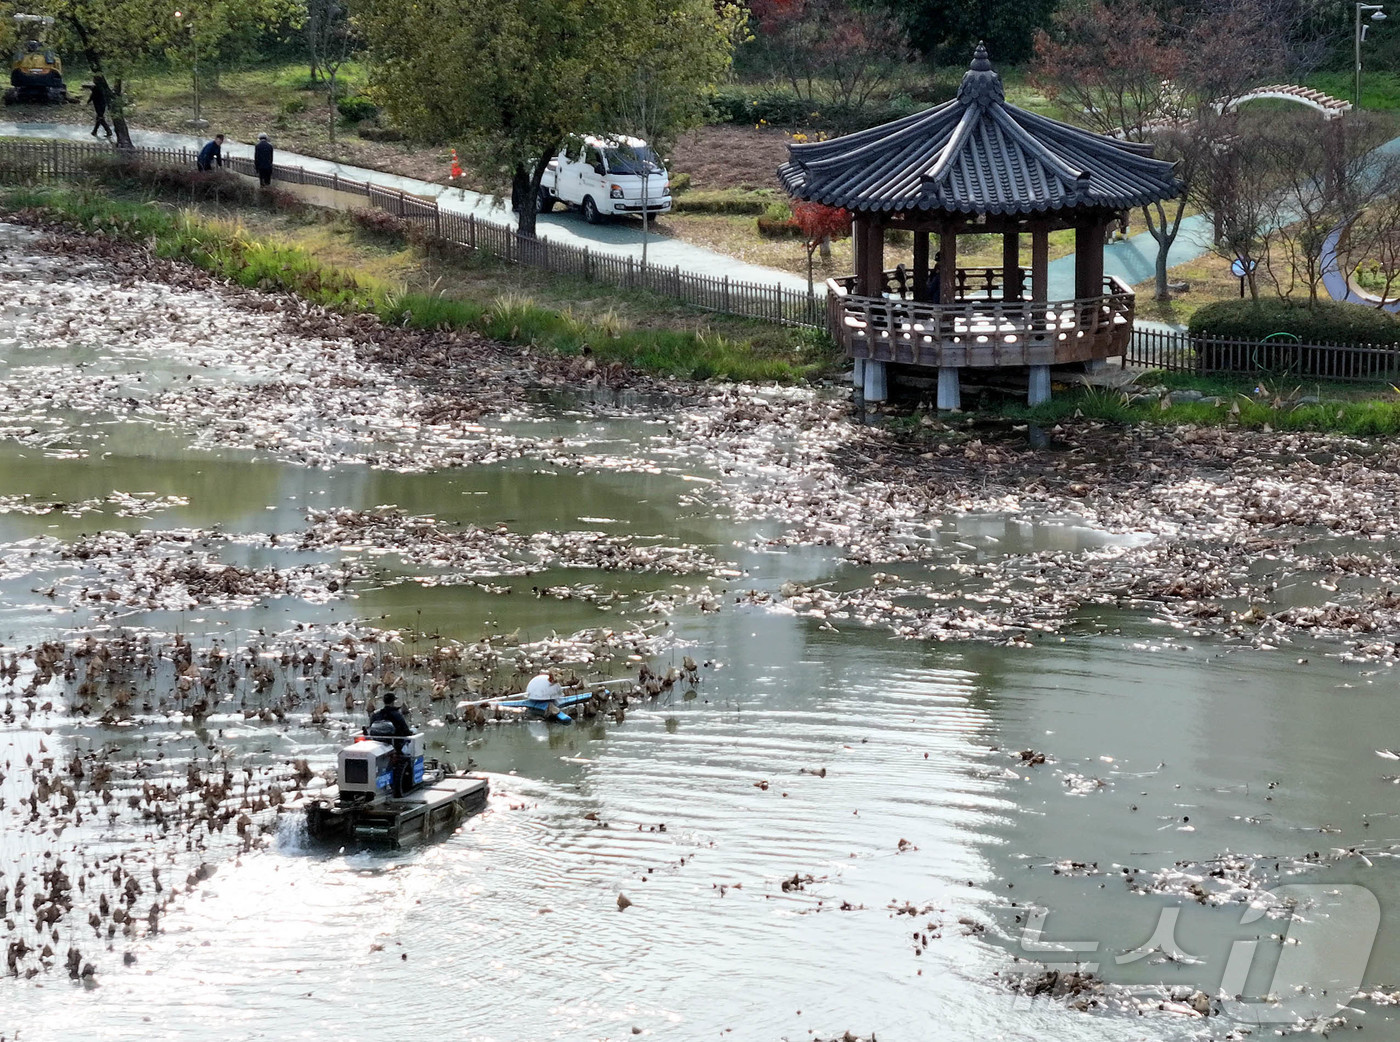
(979, 328)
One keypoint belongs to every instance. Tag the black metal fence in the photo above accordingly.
(1282, 357)
(55, 160)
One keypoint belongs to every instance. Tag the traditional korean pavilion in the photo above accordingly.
(976, 165)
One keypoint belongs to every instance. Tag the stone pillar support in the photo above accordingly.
(876, 388)
(1039, 390)
(949, 389)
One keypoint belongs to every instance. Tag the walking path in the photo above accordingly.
(1133, 260)
(621, 238)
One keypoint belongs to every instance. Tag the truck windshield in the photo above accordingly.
(629, 160)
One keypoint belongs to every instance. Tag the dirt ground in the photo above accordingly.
(1209, 279)
(731, 157)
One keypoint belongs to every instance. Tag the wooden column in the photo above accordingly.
(947, 266)
(921, 238)
(874, 257)
(858, 245)
(876, 383)
(1011, 265)
(1088, 259)
(1096, 258)
(1040, 262)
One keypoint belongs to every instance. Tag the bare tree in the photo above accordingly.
(1238, 183)
(665, 93)
(1327, 176)
(829, 51)
(1374, 235)
(1129, 70)
(330, 40)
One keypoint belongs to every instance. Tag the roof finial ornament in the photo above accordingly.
(981, 85)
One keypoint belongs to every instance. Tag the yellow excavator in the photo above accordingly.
(36, 71)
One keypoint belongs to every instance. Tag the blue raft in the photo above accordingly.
(543, 708)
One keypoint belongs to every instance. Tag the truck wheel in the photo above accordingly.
(590, 211)
(546, 203)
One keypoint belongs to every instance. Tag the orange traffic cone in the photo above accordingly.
(456, 166)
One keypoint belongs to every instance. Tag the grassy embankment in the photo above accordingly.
(1249, 403)
(328, 259)
(332, 260)
(1158, 400)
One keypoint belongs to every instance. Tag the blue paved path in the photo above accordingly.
(1134, 259)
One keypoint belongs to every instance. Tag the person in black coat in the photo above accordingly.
(262, 160)
(98, 101)
(392, 714)
(933, 290)
(211, 153)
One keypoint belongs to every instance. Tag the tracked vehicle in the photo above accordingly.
(36, 70)
(386, 790)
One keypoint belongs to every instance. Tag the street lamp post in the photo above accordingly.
(1377, 15)
(180, 19)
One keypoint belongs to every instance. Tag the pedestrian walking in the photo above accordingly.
(211, 153)
(97, 98)
(262, 160)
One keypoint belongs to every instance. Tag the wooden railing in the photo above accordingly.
(27, 161)
(968, 283)
(1278, 358)
(982, 331)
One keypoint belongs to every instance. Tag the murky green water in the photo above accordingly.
(888, 771)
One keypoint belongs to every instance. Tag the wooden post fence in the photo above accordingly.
(53, 160)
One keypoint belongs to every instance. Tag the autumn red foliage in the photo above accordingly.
(819, 222)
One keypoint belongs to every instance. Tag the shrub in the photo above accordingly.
(785, 228)
(680, 183)
(381, 223)
(357, 108)
(293, 106)
(382, 134)
(735, 104)
(185, 184)
(19, 171)
(1326, 322)
(722, 201)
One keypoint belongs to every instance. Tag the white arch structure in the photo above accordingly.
(1330, 107)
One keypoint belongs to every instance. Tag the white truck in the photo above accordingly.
(606, 177)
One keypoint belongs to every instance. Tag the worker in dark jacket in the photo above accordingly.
(211, 153)
(392, 714)
(262, 160)
(98, 101)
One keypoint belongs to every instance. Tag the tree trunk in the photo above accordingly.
(1163, 231)
(116, 107)
(330, 106)
(1161, 271)
(825, 248)
(115, 102)
(646, 187)
(519, 189)
(528, 187)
